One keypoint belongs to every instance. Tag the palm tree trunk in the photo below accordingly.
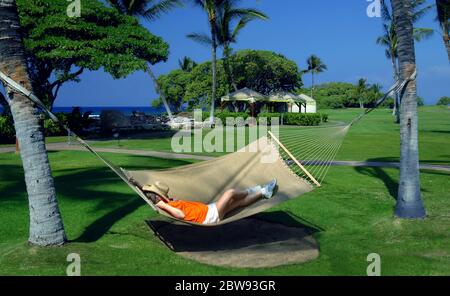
(396, 111)
(409, 202)
(46, 226)
(447, 44)
(312, 84)
(159, 91)
(213, 68)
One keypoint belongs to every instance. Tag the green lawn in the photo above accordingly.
(352, 214)
(104, 220)
(375, 137)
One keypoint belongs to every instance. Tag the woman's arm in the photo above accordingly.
(177, 213)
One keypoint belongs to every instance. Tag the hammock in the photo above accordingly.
(300, 158)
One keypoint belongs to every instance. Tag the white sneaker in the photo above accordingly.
(268, 189)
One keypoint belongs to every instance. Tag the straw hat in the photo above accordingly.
(160, 188)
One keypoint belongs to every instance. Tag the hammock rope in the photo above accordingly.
(307, 153)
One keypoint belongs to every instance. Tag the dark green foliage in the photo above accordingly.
(263, 71)
(223, 115)
(335, 95)
(301, 119)
(420, 101)
(76, 121)
(7, 131)
(444, 101)
(100, 38)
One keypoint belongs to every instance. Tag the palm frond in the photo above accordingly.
(418, 12)
(422, 33)
(385, 13)
(200, 38)
(162, 7)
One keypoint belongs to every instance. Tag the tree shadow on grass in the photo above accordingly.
(379, 173)
(93, 186)
(103, 224)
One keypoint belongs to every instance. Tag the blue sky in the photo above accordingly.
(339, 32)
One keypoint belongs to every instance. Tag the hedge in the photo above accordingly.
(302, 119)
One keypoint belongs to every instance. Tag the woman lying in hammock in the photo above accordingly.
(199, 212)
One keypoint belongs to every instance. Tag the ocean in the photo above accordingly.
(98, 110)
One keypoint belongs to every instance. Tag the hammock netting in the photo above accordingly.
(298, 157)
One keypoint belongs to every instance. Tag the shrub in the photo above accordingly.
(53, 129)
(269, 116)
(7, 131)
(444, 101)
(302, 119)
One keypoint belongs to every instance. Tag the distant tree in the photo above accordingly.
(174, 86)
(315, 66)
(228, 13)
(361, 91)
(443, 10)
(266, 71)
(104, 39)
(263, 71)
(420, 102)
(444, 101)
(210, 7)
(390, 42)
(186, 64)
(149, 10)
(374, 94)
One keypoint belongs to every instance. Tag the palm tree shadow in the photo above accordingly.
(101, 226)
(379, 173)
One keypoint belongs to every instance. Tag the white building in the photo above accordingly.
(309, 105)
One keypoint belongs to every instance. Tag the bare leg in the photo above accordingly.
(233, 199)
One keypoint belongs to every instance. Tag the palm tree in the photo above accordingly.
(149, 10)
(211, 8)
(409, 202)
(46, 226)
(361, 91)
(315, 66)
(389, 39)
(227, 14)
(187, 64)
(443, 9)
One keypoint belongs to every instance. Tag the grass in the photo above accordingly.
(352, 213)
(375, 138)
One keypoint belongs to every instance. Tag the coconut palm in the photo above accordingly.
(361, 91)
(210, 7)
(46, 226)
(229, 13)
(443, 10)
(186, 64)
(315, 66)
(149, 10)
(389, 39)
(409, 202)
